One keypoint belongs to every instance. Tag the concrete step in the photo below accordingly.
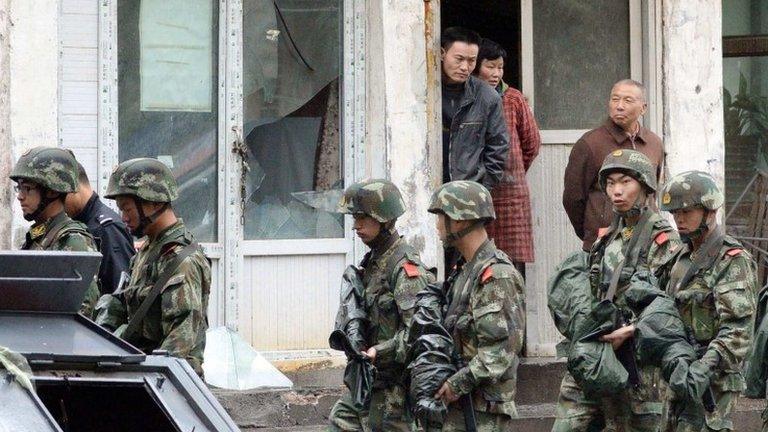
(538, 378)
(532, 418)
(305, 408)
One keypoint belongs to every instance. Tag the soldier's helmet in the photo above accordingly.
(634, 163)
(689, 189)
(377, 198)
(146, 178)
(51, 167)
(463, 200)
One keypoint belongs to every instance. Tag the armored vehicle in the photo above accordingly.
(83, 377)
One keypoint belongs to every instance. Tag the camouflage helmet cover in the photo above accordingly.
(690, 189)
(146, 178)
(463, 200)
(51, 167)
(377, 198)
(632, 161)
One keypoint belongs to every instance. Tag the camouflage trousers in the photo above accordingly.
(485, 422)
(765, 420)
(726, 394)
(634, 410)
(386, 413)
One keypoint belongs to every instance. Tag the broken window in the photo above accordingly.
(167, 98)
(291, 86)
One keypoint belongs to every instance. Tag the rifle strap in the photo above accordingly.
(170, 270)
(394, 260)
(705, 258)
(631, 251)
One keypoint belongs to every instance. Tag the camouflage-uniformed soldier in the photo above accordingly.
(486, 310)
(713, 283)
(176, 321)
(392, 274)
(638, 239)
(44, 176)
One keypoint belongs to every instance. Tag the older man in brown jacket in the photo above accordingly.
(587, 206)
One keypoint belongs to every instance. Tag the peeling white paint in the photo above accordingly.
(6, 196)
(34, 82)
(407, 123)
(693, 79)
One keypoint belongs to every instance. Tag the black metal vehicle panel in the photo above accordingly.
(63, 337)
(49, 281)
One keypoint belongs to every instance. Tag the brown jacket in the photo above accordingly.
(587, 206)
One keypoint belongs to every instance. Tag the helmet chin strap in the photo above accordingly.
(453, 237)
(636, 209)
(144, 220)
(384, 237)
(698, 232)
(43, 204)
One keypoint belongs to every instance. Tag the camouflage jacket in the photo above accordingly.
(756, 364)
(60, 233)
(177, 321)
(392, 279)
(717, 306)
(657, 252)
(486, 316)
(653, 250)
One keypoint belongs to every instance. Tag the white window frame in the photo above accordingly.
(226, 249)
(352, 103)
(231, 247)
(638, 18)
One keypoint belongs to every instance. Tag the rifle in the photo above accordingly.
(708, 399)
(467, 405)
(627, 355)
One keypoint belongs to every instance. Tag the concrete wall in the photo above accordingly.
(403, 125)
(692, 81)
(34, 78)
(6, 195)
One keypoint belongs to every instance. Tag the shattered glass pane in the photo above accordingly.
(292, 57)
(230, 362)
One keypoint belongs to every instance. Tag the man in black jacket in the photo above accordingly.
(475, 136)
(111, 235)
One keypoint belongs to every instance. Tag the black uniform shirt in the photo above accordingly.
(112, 239)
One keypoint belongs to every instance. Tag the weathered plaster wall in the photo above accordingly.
(692, 85)
(33, 81)
(402, 110)
(6, 195)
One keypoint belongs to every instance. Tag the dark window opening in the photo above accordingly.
(116, 407)
(496, 20)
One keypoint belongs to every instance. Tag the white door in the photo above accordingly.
(572, 53)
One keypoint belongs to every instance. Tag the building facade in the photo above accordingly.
(265, 110)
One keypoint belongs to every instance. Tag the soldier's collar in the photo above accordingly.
(39, 229)
(485, 251)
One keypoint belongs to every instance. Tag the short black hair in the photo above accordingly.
(82, 176)
(459, 34)
(490, 50)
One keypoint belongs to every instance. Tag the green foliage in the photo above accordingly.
(746, 115)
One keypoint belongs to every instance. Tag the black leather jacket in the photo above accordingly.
(479, 141)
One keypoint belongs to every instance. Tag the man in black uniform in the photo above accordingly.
(104, 224)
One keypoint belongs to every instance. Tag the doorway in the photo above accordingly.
(497, 20)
